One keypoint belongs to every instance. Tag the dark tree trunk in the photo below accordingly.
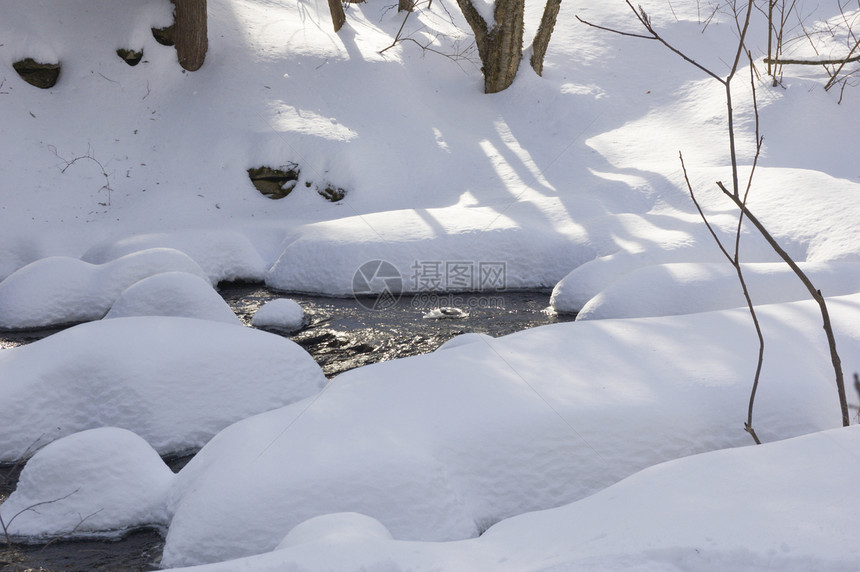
(338, 18)
(191, 36)
(547, 23)
(501, 47)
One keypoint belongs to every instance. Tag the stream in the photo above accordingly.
(341, 334)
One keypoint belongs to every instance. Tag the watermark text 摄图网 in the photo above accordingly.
(378, 284)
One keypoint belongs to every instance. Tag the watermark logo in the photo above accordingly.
(458, 275)
(377, 285)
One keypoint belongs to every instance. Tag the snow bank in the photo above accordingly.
(751, 508)
(61, 290)
(222, 254)
(173, 381)
(464, 339)
(102, 481)
(281, 314)
(495, 252)
(335, 527)
(177, 294)
(683, 288)
(441, 446)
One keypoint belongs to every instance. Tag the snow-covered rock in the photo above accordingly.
(282, 314)
(173, 381)
(441, 446)
(336, 527)
(493, 253)
(102, 481)
(61, 290)
(222, 254)
(683, 288)
(752, 508)
(177, 294)
(463, 339)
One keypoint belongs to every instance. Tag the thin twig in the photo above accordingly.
(814, 292)
(89, 156)
(400, 31)
(836, 61)
(740, 202)
(6, 525)
(646, 23)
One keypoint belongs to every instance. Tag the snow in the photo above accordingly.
(120, 183)
(749, 508)
(332, 527)
(684, 288)
(445, 313)
(173, 294)
(60, 289)
(464, 339)
(173, 381)
(438, 447)
(280, 314)
(222, 254)
(103, 480)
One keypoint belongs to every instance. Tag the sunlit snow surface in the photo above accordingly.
(568, 181)
(173, 381)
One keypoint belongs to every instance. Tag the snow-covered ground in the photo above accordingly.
(124, 195)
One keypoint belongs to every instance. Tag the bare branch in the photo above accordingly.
(91, 157)
(814, 292)
(645, 20)
(701, 212)
(785, 62)
(614, 31)
(34, 506)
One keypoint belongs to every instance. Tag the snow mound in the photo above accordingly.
(693, 513)
(61, 290)
(441, 446)
(336, 527)
(173, 381)
(534, 257)
(223, 255)
(683, 288)
(173, 294)
(281, 314)
(100, 480)
(446, 313)
(463, 339)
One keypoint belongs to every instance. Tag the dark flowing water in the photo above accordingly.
(341, 334)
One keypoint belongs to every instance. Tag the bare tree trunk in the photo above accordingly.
(500, 48)
(541, 41)
(191, 38)
(338, 18)
(405, 5)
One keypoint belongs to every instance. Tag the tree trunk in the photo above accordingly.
(191, 37)
(338, 18)
(541, 41)
(500, 48)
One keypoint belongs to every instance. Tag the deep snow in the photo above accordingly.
(119, 177)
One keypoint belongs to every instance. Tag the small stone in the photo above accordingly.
(332, 193)
(131, 57)
(41, 75)
(274, 183)
(164, 36)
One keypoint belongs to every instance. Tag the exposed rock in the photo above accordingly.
(275, 183)
(332, 193)
(41, 75)
(164, 36)
(131, 57)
